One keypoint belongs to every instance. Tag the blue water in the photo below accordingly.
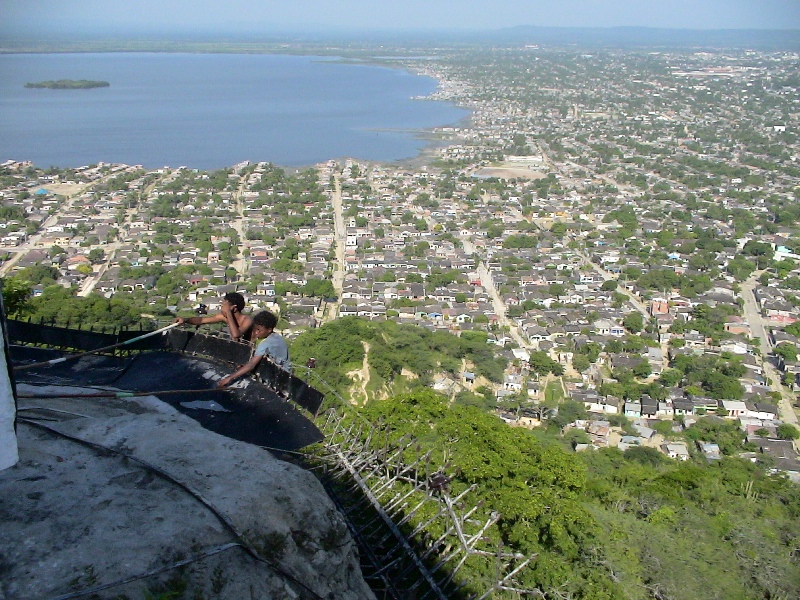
(209, 111)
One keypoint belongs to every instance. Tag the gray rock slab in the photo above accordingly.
(132, 495)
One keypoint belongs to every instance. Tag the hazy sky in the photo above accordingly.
(253, 16)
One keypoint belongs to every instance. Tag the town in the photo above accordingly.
(620, 226)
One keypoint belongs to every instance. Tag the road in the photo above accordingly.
(637, 304)
(64, 209)
(632, 298)
(340, 234)
(497, 303)
(88, 285)
(499, 306)
(240, 263)
(34, 240)
(340, 240)
(757, 323)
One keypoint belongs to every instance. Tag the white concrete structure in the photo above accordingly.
(9, 454)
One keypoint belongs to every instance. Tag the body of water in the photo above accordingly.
(209, 111)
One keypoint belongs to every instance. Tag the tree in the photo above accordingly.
(633, 322)
(558, 229)
(580, 362)
(787, 351)
(16, 293)
(670, 377)
(645, 456)
(609, 285)
(320, 288)
(663, 427)
(541, 363)
(590, 349)
(569, 411)
(642, 370)
(36, 274)
(787, 431)
(419, 250)
(726, 434)
(762, 252)
(740, 268)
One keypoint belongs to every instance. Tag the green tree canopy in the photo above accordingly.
(16, 294)
(787, 431)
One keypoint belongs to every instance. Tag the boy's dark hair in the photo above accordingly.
(266, 319)
(236, 299)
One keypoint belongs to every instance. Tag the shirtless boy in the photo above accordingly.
(239, 325)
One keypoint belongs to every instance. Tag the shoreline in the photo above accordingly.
(431, 138)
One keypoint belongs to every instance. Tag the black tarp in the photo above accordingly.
(235, 353)
(260, 413)
(182, 340)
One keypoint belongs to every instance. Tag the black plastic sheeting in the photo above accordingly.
(260, 413)
(235, 353)
(179, 340)
(80, 339)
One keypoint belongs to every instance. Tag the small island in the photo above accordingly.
(68, 84)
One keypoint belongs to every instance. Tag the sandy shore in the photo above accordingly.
(504, 172)
(65, 189)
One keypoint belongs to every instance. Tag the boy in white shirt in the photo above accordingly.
(271, 344)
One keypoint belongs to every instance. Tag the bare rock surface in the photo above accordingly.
(121, 498)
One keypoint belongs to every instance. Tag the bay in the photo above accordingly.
(210, 111)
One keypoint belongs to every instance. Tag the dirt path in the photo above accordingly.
(365, 371)
(362, 375)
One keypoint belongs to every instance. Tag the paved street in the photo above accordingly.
(63, 209)
(757, 326)
(499, 306)
(340, 240)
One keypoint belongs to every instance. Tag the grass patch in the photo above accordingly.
(554, 392)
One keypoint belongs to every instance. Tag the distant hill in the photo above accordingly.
(771, 39)
(272, 40)
(600, 37)
(68, 84)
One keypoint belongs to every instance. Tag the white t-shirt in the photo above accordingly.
(274, 346)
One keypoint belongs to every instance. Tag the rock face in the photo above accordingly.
(125, 498)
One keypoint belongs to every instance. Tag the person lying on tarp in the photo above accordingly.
(267, 343)
(240, 325)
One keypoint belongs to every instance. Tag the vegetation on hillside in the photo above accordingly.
(339, 347)
(62, 307)
(608, 524)
(605, 524)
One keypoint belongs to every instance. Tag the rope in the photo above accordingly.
(55, 361)
(177, 565)
(55, 410)
(110, 394)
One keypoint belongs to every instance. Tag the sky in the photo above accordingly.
(101, 17)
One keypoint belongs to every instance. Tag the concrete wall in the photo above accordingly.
(8, 438)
